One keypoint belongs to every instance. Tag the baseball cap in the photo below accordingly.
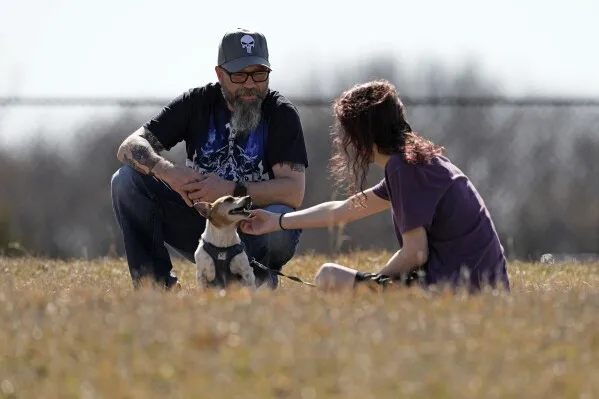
(241, 48)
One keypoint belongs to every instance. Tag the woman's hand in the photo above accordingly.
(261, 222)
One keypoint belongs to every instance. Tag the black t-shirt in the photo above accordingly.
(200, 117)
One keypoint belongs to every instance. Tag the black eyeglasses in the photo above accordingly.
(242, 77)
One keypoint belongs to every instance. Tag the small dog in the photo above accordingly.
(220, 257)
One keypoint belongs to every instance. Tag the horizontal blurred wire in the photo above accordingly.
(309, 101)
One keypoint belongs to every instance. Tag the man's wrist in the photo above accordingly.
(239, 189)
(160, 167)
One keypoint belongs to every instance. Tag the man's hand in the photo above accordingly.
(209, 189)
(177, 177)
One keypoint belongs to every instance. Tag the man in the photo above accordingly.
(241, 137)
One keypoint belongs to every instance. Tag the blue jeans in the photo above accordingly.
(150, 214)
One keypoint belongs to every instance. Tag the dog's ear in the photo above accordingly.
(203, 208)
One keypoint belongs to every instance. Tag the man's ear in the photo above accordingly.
(203, 208)
(219, 74)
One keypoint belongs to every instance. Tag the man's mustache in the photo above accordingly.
(248, 92)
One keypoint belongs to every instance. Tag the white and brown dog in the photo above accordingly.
(220, 257)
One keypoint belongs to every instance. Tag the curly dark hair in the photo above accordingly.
(371, 114)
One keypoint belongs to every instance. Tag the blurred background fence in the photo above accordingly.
(534, 161)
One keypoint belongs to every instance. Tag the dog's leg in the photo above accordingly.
(205, 270)
(240, 265)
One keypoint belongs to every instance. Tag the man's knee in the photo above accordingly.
(129, 194)
(123, 181)
(282, 245)
(275, 248)
(127, 185)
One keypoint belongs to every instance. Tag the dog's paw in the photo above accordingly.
(248, 279)
(202, 280)
(240, 266)
(205, 271)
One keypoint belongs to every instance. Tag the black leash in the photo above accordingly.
(375, 279)
(297, 279)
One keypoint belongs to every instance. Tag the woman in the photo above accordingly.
(442, 224)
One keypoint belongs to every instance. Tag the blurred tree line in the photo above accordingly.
(535, 166)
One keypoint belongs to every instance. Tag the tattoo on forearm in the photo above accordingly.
(141, 158)
(128, 160)
(297, 167)
(142, 153)
(153, 140)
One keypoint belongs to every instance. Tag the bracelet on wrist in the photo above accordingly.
(280, 219)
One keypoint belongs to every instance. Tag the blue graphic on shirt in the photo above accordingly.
(231, 159)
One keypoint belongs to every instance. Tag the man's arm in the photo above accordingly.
(287, 187)
(141, 150)
(286, 152)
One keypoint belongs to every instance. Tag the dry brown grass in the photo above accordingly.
(76, 329)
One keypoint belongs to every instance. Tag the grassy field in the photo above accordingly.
(77, 330)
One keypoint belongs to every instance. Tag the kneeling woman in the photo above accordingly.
(442, 224)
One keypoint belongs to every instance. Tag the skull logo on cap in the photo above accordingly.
(247, 42)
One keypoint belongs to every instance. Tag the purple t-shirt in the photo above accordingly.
(461, 234)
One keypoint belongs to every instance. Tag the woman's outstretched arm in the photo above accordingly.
(326, 214)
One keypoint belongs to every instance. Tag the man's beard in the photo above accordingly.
(246, 115)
